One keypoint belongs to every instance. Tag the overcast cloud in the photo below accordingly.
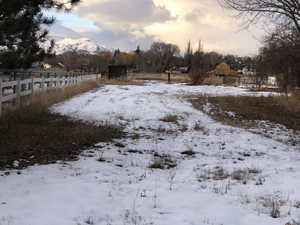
(127, 23)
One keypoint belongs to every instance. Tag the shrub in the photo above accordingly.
(198, 76)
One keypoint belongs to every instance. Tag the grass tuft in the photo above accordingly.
(163, 162)
(170, 118)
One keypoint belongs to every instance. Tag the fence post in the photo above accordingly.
(0, 96)
(43, 83)
(49, 81)
(32, 85)
(14, 78)
(18, 91)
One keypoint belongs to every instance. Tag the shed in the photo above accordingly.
(117, 71)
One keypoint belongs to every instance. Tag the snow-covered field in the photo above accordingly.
(234, 178)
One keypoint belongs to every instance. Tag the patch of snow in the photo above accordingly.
(122, 189)
(231, 114)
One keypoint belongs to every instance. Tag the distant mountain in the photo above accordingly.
(79, 45)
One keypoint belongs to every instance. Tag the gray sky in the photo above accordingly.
(127, 23)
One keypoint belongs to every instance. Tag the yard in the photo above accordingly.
(177, 165)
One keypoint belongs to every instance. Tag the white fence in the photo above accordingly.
(14, 90)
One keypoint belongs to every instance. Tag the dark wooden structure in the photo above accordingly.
(117, 71)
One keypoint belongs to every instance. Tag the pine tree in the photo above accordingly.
(22, 34)
(138, 50)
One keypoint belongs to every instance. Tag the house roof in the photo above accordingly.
(223, 69)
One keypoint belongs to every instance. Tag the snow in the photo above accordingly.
(154, 100)
(81, 44)
(122, 189)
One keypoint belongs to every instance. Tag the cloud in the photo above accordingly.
(59, 30)
(120, 23)
(128, 23)
(194, 16)
(111, 39)
(124, 14)
(124, 40)
(205, 20)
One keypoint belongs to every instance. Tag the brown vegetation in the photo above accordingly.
(213, 80)
(278, 109)
(122, 81)
(170, 118)
(198, 76)
(32, 134)
(175, 78)
(162, 161)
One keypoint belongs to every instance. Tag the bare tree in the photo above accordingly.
(278, 11)
(188, 56)
(280, 57)
(163, 55)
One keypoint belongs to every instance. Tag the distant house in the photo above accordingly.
(245, 71)
(223, 74)
(178, 70)
(48, 67)
(272, 81)
(184, 69)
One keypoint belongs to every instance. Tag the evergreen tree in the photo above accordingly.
(138, 50)
(22, 34)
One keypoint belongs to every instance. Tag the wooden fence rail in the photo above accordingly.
(14, 90)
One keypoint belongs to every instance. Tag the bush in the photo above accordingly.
(198, 76)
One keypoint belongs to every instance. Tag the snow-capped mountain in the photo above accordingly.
(78, 45)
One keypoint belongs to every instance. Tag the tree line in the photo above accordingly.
(159, 58)
(22, 32)
(22, 25)
(280, 54)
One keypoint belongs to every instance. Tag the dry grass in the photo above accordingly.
(170, 118)
(175, 78)
(213, 80)
(163, 161)
(31, 134)
(122, 81)
(140, 78)
(202, 77)
(40, 101)
(275, 89)
(278, 109)
(217, 173)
